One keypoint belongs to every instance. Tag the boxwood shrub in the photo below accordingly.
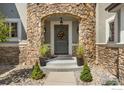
(37, 73)
(86, 74)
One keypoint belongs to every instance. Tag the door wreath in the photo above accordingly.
(61, 35)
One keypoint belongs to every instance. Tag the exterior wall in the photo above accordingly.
(37, 13)
(107, 57)
(75, 33)
(122, 25)
(121, 65)
(9, 55)
(112, 59)
(101, 17)
(74, 50)
(22, 11)
(110, 55)
(47, 33)
(19, 10)
(13, 54)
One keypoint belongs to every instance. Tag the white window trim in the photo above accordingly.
(18, 38)
(113, 18)
(69, 23)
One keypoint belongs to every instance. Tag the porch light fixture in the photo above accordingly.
(61, 20)
(77, 29)
(44, 29)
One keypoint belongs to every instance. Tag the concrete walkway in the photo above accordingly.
(60, 78)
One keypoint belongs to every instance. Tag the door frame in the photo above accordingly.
(69, 23)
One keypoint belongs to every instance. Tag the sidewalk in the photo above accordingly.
(60, 78)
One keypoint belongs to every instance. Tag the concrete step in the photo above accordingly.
(60, 63)
(61, 69)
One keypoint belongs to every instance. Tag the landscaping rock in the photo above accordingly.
(100, 76)
(20, 77)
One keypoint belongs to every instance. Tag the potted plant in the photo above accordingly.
(80, 55)
(44, 53)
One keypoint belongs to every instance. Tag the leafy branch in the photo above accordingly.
(4, 29)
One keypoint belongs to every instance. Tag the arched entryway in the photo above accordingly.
(61, 33)
(40, 14)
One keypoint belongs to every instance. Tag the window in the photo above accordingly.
(111, 31)
(15, 26)
(14, 30)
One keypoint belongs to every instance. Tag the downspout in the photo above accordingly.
(117, 74)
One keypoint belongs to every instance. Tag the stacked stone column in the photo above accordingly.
(33, 34)
(87, 33)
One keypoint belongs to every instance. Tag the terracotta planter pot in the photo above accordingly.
(80, 61)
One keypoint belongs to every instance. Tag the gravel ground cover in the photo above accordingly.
(20, 76)
(100, 76)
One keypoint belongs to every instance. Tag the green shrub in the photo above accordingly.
(86, 74)
(80, 51)
(111, 82)
(4, 29)
(37, 73)
(44, 50)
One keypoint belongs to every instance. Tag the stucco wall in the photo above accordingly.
(19, 10)
(101, 17)
(22, 11)
(122, 25)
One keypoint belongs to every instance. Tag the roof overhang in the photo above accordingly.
(114, 7)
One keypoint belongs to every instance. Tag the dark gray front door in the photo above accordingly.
(60, 39)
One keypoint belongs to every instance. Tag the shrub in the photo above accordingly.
(4, 29)
(86, 74)
(80, 52)
(44, 50)
(111, 82)
(37, 73)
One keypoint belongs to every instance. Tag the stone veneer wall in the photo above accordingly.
(37, 13)
(108, 58)
(13, 55)
(121, 64)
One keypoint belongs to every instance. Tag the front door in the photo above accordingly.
(61, 39)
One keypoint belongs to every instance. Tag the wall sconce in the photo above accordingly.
(44, 29)
(77, 29)
(37, 3)
(61, 20)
